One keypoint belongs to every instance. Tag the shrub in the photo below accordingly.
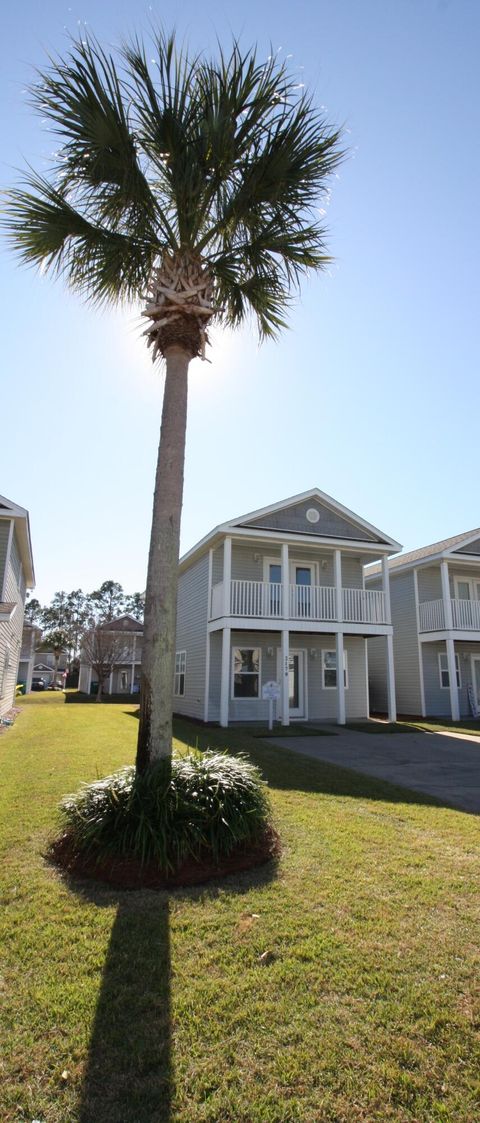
(194, 806)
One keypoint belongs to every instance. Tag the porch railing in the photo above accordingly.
(465, 615)
(264, 599)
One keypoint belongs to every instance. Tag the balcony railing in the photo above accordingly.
(465, 615)
(264, 599)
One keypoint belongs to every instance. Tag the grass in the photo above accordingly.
(443, 725)
(340, 988)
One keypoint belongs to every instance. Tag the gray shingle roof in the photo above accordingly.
(426, 551)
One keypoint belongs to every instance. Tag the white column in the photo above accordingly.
(89, 682)
(337, 568)
(207, 679)
(110, 682)
(452, 678)
(210, 573)
(367, 685)
(340, 679)
(386, 589)
(391, 701)
(285, 677)
(285, 582)
(447, 603)
(225, 677)
(227, 575)
(423, 708)
(132, 676)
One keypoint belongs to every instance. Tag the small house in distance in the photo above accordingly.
(16, 576)
(279, 595)
(123, 649)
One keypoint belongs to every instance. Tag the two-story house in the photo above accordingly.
(123, 648)
(31, 636)
(435, 600)
(278, 595)
(16, 576)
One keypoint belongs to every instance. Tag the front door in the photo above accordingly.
(296, 683)
(301, 576)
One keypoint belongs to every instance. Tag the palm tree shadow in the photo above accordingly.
(128, 1072)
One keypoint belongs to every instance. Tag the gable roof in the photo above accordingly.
(271, 520)
(125, 623)
(429, 553)
(11, 510)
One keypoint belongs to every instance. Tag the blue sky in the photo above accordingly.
(373, 395)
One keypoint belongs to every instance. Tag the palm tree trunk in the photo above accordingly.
(158, 654)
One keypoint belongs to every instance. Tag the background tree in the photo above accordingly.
(33, 611)
(197, 182)
(104, 650)
(56, 641)
(135, 605)
(107, 602)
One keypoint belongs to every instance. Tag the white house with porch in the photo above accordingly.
(435, 599)
(279, 595)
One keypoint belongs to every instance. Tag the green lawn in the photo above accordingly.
(149, 1007)
(443, 725)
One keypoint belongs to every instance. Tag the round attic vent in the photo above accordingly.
(312, 515)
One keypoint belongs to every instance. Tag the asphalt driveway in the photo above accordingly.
(445, 766)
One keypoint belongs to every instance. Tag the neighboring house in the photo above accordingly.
(124, 677)
(435, 598)
(31, 635)
(44, 666)
(16, 576)
(278, 595)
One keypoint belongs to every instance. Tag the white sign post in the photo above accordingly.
(271, 691)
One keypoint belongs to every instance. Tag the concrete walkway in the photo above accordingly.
(432, 763)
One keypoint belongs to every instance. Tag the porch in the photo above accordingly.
(272, 601)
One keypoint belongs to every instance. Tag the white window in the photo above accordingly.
(329, 670)
(246, 672)
(180, 671)
(466, 588)
(443, 670)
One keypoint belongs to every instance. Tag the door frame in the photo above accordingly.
(302, 685)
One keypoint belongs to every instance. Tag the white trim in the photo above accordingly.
(452, 675)
(7, 559)
(471, 581)
(245, 647)
(444, 670)
(259, 535)
(419, 644)
(225, 677)
(227, 574)
(367, 684)
(180, 669)
(326, 501)
(267, 562)
(284, 677)
(206, 694)
(337, 568)
(333, 651)
(302, 713)
(447, 602)
(342, 679)
(474, 658)
(391, 701)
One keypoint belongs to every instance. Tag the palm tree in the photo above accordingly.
(194, 186)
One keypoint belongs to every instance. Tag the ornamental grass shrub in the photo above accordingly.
(196, 806)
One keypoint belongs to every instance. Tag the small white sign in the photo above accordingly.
(271, 690)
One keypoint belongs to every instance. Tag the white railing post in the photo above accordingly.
(285, 677)
(386, 589)
(452, 679)
(337, 563)
(447, 602)
(285, 583)
(227, 575)
(391, 701)
(340, 680)
(225, 677)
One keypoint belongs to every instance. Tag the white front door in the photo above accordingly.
(297, 682)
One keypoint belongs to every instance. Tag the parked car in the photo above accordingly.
(38, 683)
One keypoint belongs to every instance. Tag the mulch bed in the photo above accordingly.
(129, 873)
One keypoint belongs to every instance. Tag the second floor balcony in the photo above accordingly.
(465, 615)
(317, 603)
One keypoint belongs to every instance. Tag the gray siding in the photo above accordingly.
(11, 632)
(472, 548)
(4, 536)
(192, 606)
(405, 650)
(217, 565)
(321, 702)
(294, 519)
(437, 698)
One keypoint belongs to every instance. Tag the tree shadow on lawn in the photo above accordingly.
(286, 770)
(128, 1077)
